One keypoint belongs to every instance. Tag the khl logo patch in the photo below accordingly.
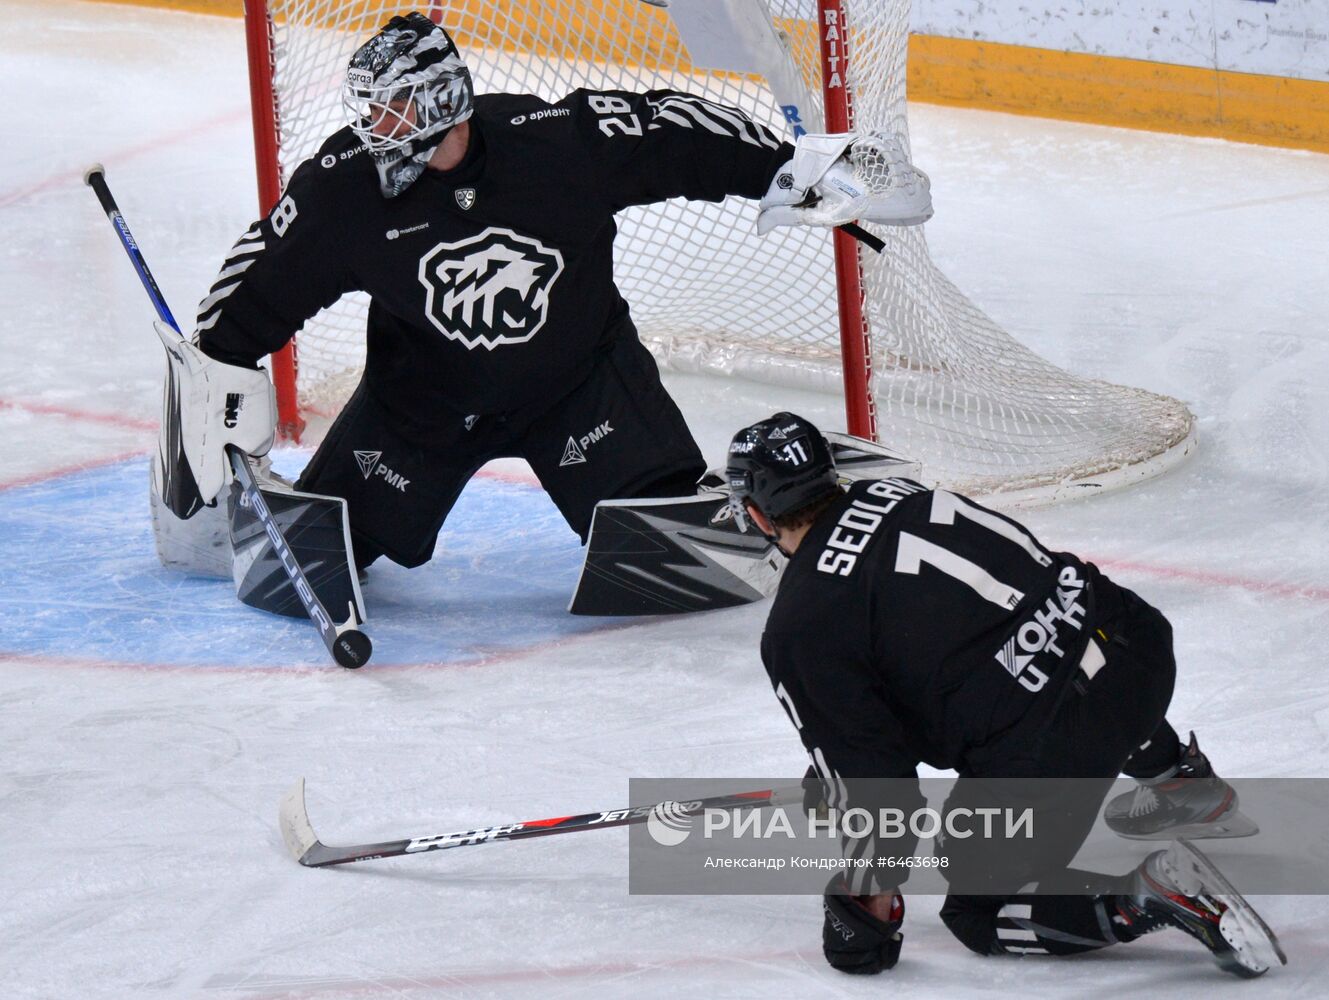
(465, 198)
(491, 289)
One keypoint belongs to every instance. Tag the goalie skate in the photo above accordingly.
(1180, 887)
(1189, 801)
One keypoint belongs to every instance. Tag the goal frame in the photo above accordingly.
(985, 414)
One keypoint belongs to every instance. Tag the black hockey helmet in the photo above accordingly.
(780, 465)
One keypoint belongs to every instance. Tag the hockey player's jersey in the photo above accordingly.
(914, 626)
(491, 284)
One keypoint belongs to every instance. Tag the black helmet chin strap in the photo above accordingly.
(775, 540)
(738, 505)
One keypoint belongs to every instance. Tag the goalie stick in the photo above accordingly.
(311, 852)
(348, 646)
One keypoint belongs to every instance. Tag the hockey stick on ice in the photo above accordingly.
(348, 646)
(311, 852)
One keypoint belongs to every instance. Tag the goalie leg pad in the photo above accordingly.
(199, 546)
(681, 554)
(672, 555)
(857, 458)
(318, 534)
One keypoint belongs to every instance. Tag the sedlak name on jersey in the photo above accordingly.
(859, 523)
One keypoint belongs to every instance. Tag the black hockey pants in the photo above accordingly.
(618, 434)
(1093, 737)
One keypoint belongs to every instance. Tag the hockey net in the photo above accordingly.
(983, 413)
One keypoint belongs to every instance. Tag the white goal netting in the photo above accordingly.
(951, 388)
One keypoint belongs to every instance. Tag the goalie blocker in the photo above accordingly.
(682, 554)
(208, 405)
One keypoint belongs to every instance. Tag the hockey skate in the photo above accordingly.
(1180, 887)
(1187, 801)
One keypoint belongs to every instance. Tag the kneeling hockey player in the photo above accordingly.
(898, 637)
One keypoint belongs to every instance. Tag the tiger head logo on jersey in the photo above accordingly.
(491, 289)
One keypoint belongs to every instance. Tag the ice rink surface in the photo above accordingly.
(149, 724)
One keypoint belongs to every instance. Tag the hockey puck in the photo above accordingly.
(352, 649)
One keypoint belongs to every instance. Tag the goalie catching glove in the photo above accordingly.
(208, 405)
(836, 179)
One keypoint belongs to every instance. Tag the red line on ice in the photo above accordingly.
(1272, 587)
(68, 470)
(481, 659)
(464, 982)
(70, 413)
(516, 478)
(70, 178)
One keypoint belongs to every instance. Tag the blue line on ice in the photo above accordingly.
(82, 581)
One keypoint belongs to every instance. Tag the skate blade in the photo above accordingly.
(1236, 824)
(1255, 947)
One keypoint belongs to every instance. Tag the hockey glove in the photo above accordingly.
(855, 941)
(835, 179)
(207, 405)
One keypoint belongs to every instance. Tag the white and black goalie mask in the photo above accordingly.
(405, 88)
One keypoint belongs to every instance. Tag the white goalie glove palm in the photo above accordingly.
(208, 405)
(835, 179)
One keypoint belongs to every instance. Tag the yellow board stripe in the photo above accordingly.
(1102, 90)
(1105, 90)
(228, 8)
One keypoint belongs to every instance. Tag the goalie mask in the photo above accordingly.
(779, 465)
(405, 88)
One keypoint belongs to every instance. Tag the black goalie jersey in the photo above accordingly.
(915, 625)
(492, 283)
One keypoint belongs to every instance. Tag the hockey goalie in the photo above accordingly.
(482, 228)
